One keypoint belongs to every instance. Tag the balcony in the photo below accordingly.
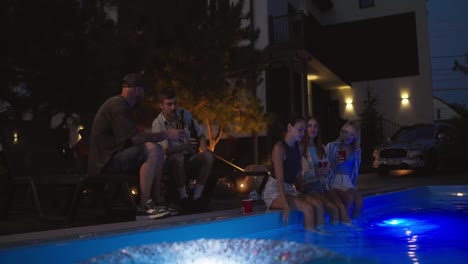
(287, 31)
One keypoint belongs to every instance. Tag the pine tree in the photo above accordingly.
(371, 131)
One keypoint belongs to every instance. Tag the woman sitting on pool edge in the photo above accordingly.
(316, 172)
(280, 192)
(344, 155)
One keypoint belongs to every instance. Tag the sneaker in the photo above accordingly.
(151, 211)
(171, 210)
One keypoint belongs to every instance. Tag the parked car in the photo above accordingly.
(414, 147)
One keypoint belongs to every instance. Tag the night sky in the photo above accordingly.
(448, 34)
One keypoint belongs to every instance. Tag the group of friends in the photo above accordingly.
(313, 178)
(307, 176)
(118, 145)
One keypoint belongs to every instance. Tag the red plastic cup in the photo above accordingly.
(247, 205)
(341, 155)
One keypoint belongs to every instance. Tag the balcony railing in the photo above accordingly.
(374, 132)
(388, 128)
(287, 30)
(384, 128)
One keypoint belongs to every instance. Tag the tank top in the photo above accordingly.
(292, 163)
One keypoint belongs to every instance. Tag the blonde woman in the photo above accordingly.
(344, 155)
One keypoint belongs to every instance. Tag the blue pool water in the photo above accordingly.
(420, 225)
(416, 235)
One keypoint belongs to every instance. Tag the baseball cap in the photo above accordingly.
(133, 80)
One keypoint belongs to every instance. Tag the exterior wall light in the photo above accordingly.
(404, 99)
(15, 137)
(349, 104)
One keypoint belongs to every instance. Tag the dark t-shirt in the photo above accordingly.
(112, 130)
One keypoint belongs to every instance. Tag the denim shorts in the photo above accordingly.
(128, 160)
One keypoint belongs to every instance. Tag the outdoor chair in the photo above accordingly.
(31, 158)
(106, 185)
(250, 171)
(258, 170)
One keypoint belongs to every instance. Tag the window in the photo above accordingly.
(366, 3)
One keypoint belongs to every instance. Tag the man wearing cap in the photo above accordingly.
(116, 145)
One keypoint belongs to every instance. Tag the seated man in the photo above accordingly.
(116, 145)
(191, 155)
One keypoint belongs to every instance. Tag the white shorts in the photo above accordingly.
(271, 191)
(343, 182)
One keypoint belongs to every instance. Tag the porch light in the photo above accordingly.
(343, 87)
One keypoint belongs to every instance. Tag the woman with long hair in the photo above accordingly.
(280, 192)
(316, 172)
(344, 155)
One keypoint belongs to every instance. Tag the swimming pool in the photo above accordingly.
(419, 225)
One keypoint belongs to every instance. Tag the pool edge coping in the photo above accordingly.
(80, 232)
(50, 236)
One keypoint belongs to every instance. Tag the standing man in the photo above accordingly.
(116, 145)
(191, 155)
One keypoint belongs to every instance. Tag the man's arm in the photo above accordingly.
(159, 126)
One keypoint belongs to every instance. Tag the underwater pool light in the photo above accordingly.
(407, 226)
(395, 221)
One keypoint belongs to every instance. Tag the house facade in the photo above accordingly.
(443, 111)
(329, 56)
